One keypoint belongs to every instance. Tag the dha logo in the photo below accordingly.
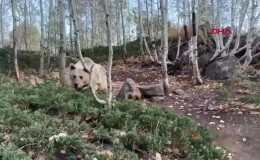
(223, 31)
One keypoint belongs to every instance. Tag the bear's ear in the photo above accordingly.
(72, 67)
(85, 70)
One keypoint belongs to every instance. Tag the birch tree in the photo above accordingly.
(2, 21)
(71, 32)
(123, 29)
(142, 37)
(25, 25)
(250, 36)
(49, 35)
(92, 24)
(179, 30)
(188, 52)
(15, 60)
(62, 53)
(41, 43)
(152, 35)
(140, 27)
(194, 45)
(164, 15)
(118, 36)
(147, 19)
(221, 49)
(110, 57)
(159, 20)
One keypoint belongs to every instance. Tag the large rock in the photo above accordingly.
(129, 90)
(223, 69)
(204, 59)
(132, 90)
(151, 90)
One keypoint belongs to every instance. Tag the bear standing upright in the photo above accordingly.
(80, 77)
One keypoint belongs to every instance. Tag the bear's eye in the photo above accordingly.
(81, 77)
(74, 76)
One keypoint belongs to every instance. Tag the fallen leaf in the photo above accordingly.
(107, 154)
(158, 156)
(196, 136)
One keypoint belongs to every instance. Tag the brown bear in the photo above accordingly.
(79, 76)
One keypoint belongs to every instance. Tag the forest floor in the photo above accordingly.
(230, 110)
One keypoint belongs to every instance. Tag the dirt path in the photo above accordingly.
(236, 130)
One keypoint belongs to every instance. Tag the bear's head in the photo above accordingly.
(78, 76)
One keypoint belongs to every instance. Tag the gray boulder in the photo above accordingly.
(223, 69)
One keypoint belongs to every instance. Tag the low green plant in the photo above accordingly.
(32, 117)
(253, 99)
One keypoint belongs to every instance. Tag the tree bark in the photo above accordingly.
(1, 22)
(241, 21)
(110, 57)
(147, 19)
(62, 53)
(15, 59)
(251, 34)
(195, 66)
(25, 25)
(71, 33)
(123, 28)
(179, 30)
(152, 35)
(164, 15)
(41, 43)
(49, 35)
(118, 38)
(159, 22)
(140, 28)
(92, 24)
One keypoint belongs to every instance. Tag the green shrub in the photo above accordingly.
(255, 99)
(30, 115)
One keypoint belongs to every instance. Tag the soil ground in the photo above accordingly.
(236, 127)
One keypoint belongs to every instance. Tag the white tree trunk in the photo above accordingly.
(16, 68)
(147, 19)
(71, 33)
(25, 25)
(179, 30)
(49, 35)
(87, 32)
(241, 21)
(140, 27)
(1, 22)
(185, 21)
(142, 32)
(77, 41)
(92, 25)
(41, 43)
(152, 35)
(62, 53)
(123, 28)
(194, 52)
(110, 57)
(118, 25)
(164, 13)
(251, 34)
(159, 21)
(216, 37)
